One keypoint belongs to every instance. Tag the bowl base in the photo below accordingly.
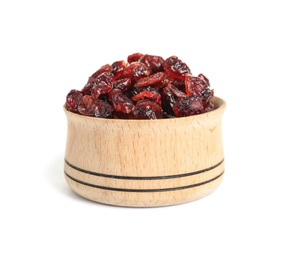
(144, 198)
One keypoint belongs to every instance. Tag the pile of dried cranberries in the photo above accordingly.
(144, 87)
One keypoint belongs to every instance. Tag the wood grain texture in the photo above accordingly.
(145, 163)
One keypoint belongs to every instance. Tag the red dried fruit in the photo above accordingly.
(87, 106)
(147, 87)
(135, 71)
(103, 84)
(102, 109)
(206, 96)
(168, 101)
(164, 82)
(170, 94)
(122, 84)
(194, 85)
(120, 102)
(175, 91)
(148, 94)
(167, 97)
(146, 109)
(150, 80)
(118, 67)
(201, 76)
(175, 67)
(188, 106)
(155, 63)
(134, 57)
(72, 100)
(104, 68)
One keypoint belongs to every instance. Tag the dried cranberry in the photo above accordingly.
(164, 82)
(87, 106)
(104, 68)
(175, 91)
(194, 85)
(175, 67)
(150, 80)
(118, 67)
(146, 109)
(72, 100)
(146, 87)
(155, 63)
(188, 106)
(120, 102)
(206, 96)
(122, 84)
(148, 94)
(103, 109)
(134, 57)
(103, 84)
(135, 71)
(168, 101)
(201, 76)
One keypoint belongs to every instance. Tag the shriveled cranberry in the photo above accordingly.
(164, 82)
(201, 76)
(122, 84)
(72, 100)
(87, 106)
(155, 63)
(188, 106)
(134, 57)
(175, 91)
(168, 101)
(102, 109)
(175, 67)
(150, 80)
(103, 84)
(168, 97)
(194, 85)
(148, 94)
(104, 68)
(135, 71)
(206, 96)
(146, 109)
(146, 87)
(120, 102)
(118, 67)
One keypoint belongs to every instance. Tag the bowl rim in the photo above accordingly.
(219, 102)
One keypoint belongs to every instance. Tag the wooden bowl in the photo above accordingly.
(145, 163)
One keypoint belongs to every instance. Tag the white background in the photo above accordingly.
(50, 47)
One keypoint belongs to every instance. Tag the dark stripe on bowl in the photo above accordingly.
(143, 178)
(144, 190)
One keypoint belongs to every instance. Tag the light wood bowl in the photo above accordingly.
(145, 163)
